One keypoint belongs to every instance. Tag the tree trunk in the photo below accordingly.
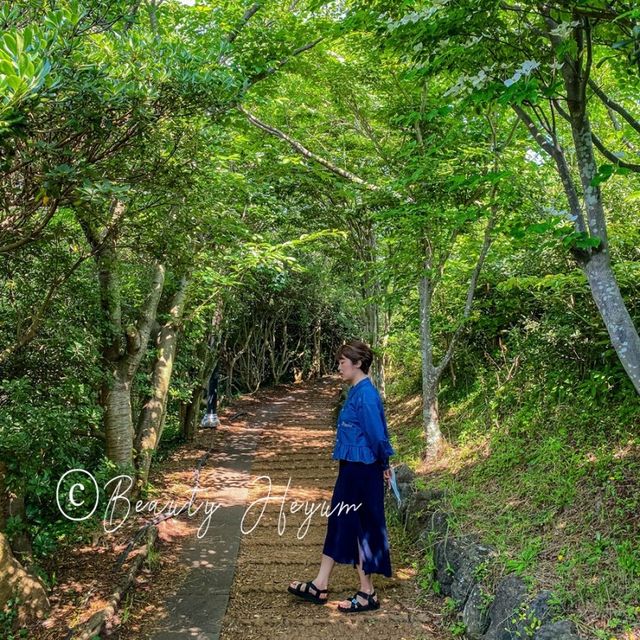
(118, 421)
(189, 424)
(596, 263)
(4, 497)
(12, 505)
(384, 359)
(150, 421)
(372, 292)
(207, 353)
(430, 374)
(192, 411)
(21, 542)
(316, 360)
(15, 581)
(120, 364)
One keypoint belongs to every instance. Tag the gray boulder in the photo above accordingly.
(475, 614)
(421, 507)
(426, 499)
(511, 592)
(560, 630)
(531, 617)
(438, 522)
(457, 561)
(512, 616)
(404, 475)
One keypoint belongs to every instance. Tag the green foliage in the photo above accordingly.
(426, 575)
(8, 619)
(121, 146)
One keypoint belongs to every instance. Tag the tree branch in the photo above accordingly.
(486, 243)
(586, 72)
(561, 163)
(249, 13)
(36, 319)
(138, 336)
(302, 150)
(53, 207)
(611, 156)
(614, 106)
(271, 70)
(549, 148)
(601, 148)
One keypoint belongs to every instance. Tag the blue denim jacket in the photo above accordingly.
(362, 434)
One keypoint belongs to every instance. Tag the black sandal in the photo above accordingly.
(305, 594)
(357, 607)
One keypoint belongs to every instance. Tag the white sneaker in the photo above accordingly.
(210, 421)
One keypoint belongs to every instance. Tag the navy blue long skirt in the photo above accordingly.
(351, 532)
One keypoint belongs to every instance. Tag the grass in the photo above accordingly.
(553, 485)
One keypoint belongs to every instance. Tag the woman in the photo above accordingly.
(356, 536)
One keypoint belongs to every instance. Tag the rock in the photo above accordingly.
(510, 594)
(405, 489)
(404, 475)
(425, 526)
(16, 581)
(528, 618)
(419, 506)
(539, 610)
(475, 614)
(424, 499)
(466, 576)
(457, 561)
(511, 617)
(560, 630)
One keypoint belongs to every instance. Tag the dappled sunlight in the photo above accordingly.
(282, 500)
(454, 459)
(405, 573)
(173, 529)
(294, 439)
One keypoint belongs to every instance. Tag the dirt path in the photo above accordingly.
(294, 452)
(288, 434)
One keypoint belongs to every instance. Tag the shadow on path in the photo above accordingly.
(231, 583)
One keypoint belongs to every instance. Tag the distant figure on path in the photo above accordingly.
(210, 419)
(356, 536)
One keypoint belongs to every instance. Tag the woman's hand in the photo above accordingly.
(386, 474)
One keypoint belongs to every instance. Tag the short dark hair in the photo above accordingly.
(356, 351)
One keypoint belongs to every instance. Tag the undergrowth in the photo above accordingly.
(550, 479)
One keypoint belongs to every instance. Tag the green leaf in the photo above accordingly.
(604, 173)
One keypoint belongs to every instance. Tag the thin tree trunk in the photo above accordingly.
(430, 374)
(4, 497)
(189, 423)
(21, 542)
(316, 360)
(207, 353)
(384, 360)
(118, 419)
(192, 409)
(150, 421)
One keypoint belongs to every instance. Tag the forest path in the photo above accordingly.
(232, 583)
